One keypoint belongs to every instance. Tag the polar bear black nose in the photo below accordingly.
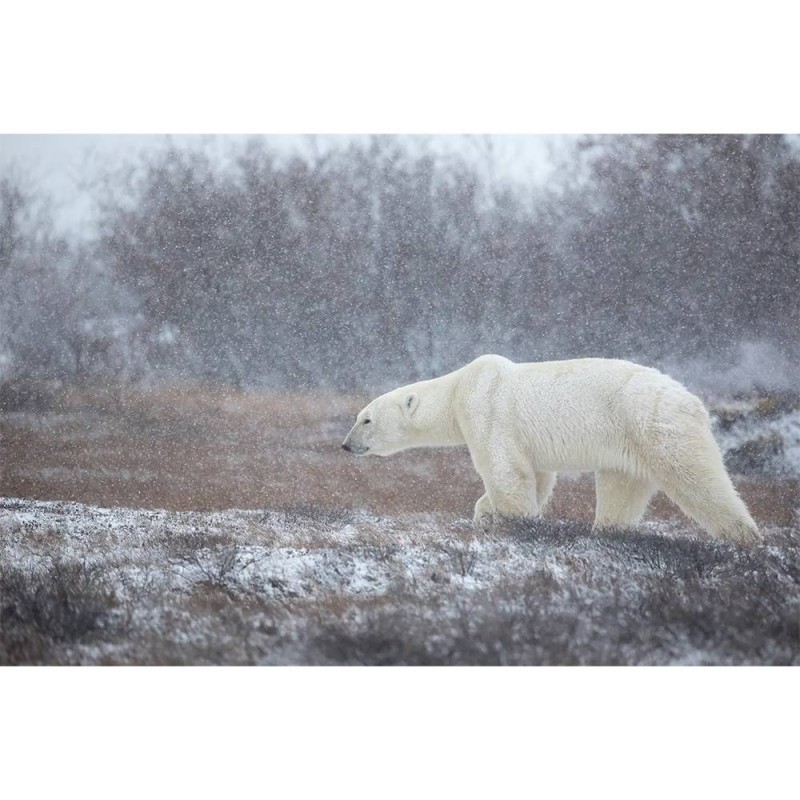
(347, 447)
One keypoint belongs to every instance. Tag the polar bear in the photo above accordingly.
(636, 428)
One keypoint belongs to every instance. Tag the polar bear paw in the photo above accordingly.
(483, 518)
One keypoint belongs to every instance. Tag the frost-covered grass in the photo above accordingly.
(87, 585)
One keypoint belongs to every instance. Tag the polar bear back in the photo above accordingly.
(581, 414)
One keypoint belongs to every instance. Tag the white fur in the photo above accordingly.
(636, 428)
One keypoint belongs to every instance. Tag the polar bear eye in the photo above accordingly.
(367, 421)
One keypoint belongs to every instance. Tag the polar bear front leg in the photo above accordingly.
(513, 495)
(510, 486)
(483, 517)
(545, 482)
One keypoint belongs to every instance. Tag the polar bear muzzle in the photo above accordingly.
(354, 441)
(357, 450)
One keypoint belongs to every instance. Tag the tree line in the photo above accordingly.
(373, 264)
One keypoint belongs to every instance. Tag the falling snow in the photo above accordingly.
(198, 342)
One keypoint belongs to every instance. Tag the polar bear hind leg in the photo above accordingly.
(694, 477)
(622, 499)
(672, 443)
(715, 504)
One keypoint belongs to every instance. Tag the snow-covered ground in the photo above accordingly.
(88, 585)
(757, 438)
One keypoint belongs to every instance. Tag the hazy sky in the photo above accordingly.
(61, 165)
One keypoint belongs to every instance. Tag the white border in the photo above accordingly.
(431, 67)
(419, 66)
(438, 732)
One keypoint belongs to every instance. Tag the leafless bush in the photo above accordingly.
(220, 566)
(185, 546)
(388, 635)
(42, 610)
(462, 556)
(545, 530)
(327, 517)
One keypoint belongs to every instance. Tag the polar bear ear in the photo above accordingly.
(410, 404)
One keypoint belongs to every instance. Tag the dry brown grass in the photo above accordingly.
(185, 448)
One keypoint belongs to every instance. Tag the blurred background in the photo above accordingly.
(160, 284)
(365, 262)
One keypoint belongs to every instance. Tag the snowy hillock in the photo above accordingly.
(760, 436)
(87, 585)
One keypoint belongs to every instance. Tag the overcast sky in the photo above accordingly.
(61, 165)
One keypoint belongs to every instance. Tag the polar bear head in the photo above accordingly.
(387, 425)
